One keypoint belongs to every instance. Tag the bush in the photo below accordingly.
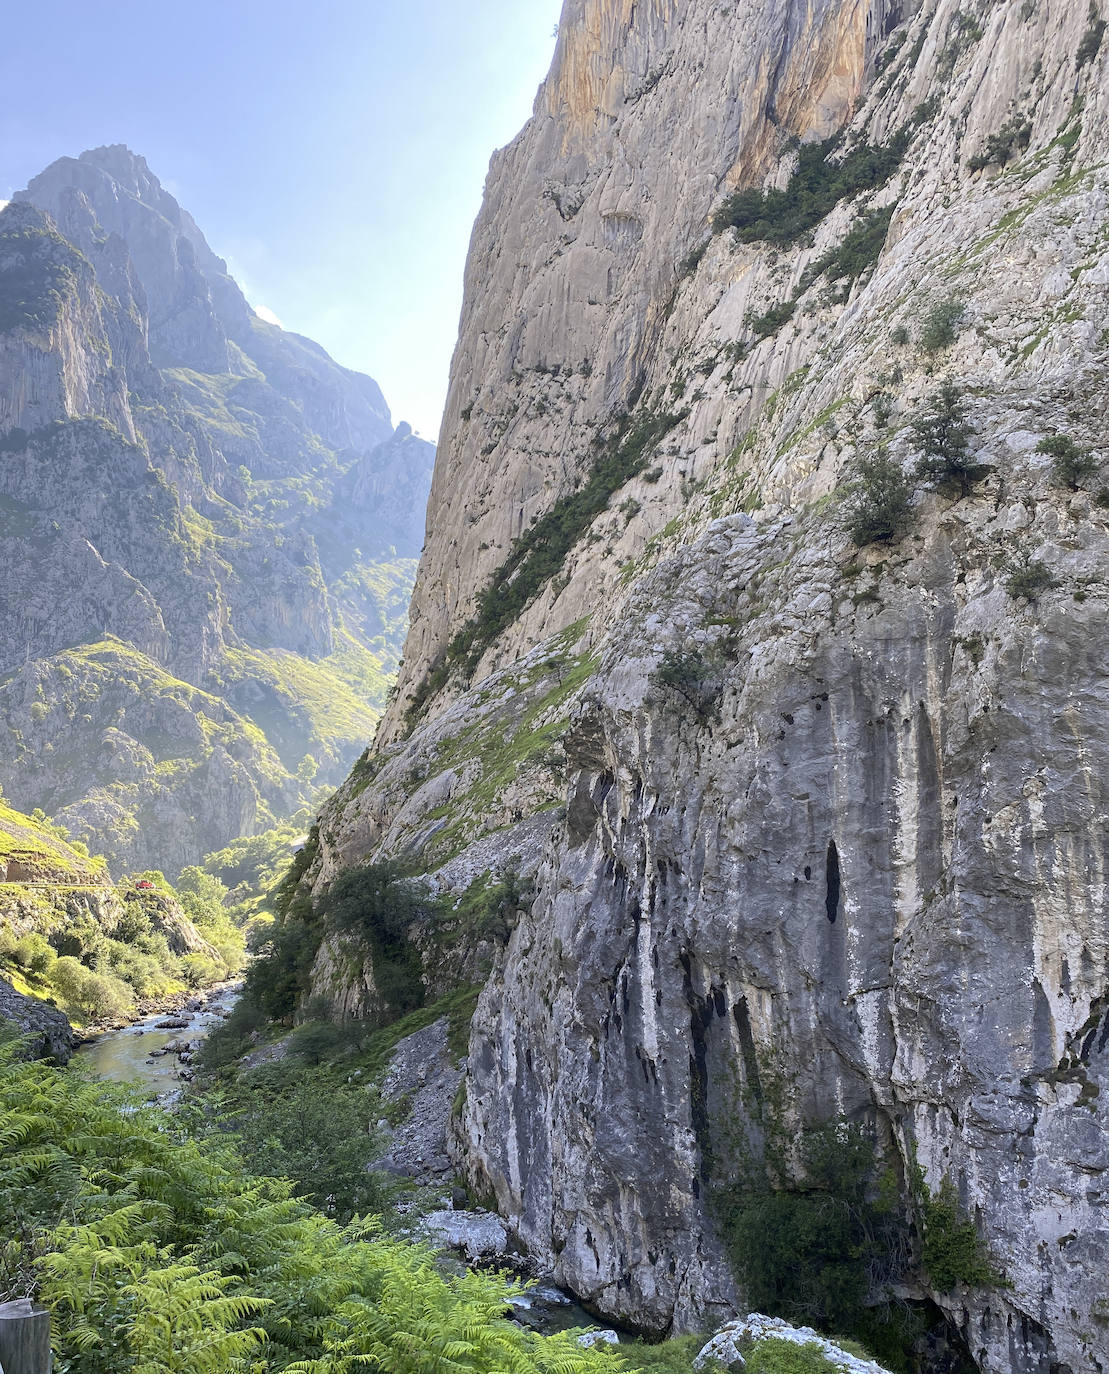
(538, 554)
(816, 187)
(881, 509)
(953, 1252)
(81, 938)
(378, 905)
(695, 675)
(199, 970)
(777, 1356)
(1070, 465)
(291, 1124)
(941, 324)
(133, 924)
(943, 436)
(232, 1038)
(674, 1356)
(33, 953)
(814, 1252)
(860, 249)
(769, 323)
(1000, 147)
(1028, 577)
(90, 996)
(1090, 45)
(316, 1042)
(142, 971)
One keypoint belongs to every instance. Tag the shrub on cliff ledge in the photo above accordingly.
(1070, 465)
(696, 675)
(953, 1252)
(816, 187)
(1090, 45)
(538, 554)
(940, 327)
(881, 508)
(1028, 577)
(943, 434)
(376, 903)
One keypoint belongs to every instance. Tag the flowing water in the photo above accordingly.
(126, 1056)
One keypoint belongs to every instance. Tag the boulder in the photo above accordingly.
(49, 1034)
(738, 1337)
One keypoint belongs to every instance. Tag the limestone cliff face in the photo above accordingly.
(197, 315)
(176, 477)
(650, 112)
(858, 849)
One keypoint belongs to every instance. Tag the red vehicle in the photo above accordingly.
(143, 884)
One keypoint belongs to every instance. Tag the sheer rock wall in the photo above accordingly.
(866, 858)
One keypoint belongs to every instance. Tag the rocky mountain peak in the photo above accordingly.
(209, 528)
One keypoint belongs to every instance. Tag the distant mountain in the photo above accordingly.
(208, 529)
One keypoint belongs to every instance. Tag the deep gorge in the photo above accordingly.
(738, 814)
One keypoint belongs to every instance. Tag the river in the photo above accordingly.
(127, 1055)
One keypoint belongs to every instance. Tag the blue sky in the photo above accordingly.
(334, 151)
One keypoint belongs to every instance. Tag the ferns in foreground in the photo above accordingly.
(157, 1255)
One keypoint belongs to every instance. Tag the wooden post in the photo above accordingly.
(24, 1338)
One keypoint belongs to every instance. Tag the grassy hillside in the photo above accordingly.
(96, 948)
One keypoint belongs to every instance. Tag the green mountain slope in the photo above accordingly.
(209, 530)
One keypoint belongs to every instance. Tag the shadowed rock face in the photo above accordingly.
(47, 1030)
(209, 529)
(856, 868)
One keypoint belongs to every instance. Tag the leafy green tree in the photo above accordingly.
(279, 976)
(696, 675)
(1028, 577)
(1070, 464)
(881, 509)
(953, 1252)
(941, 324)
(87, 995)
(378, 904)
(942, 434)
(822, 1250)
(203, 887)
(33, 953)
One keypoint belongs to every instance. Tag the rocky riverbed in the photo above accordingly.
(156, 1052)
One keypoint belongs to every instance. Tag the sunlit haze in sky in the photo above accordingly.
(333, 153)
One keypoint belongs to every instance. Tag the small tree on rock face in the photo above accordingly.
(943, 434)
(695, 675)
(940, 327)
(881, 509)
(1070, 465)
(1028, 577)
